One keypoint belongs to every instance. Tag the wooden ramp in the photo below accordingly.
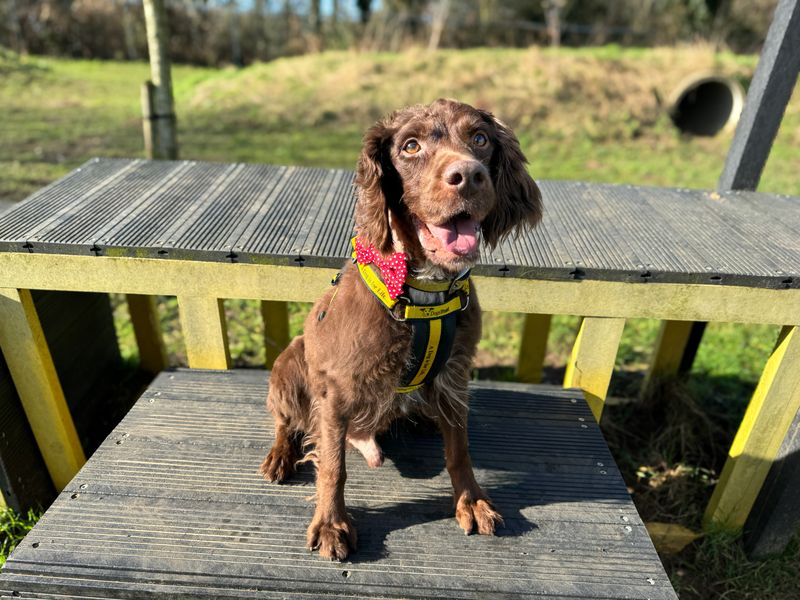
(172, 505)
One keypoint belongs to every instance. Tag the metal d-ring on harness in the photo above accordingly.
(431, 308)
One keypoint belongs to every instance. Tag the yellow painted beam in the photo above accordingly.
(670, 345)
(276, 328)
(532, 348)
(766, 421)
(204, 332)
(690, 302)
(162, 277)
(31, 365)
(147, 328)
(592, 360)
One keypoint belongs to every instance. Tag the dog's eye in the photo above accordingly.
(480, 139)
(411, 147)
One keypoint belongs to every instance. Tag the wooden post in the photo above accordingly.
(165, 144)
(532, 348)
(767, 97)
(146, 327)
(205, 332)
(31, 366)
(592, 360)
(148, 122)
(276, 329)
(673, 338)
(761, 433)
(775, 518)
(24, 479)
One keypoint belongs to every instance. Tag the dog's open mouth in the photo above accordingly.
(458, 235)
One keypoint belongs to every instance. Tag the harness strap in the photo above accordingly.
(431, 344)
(375, 285)
(458, 286)
(431, 309)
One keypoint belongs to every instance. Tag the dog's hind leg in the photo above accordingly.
(289, 403)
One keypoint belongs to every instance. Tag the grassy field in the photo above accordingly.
(592, 114)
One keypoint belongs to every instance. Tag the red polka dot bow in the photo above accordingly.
(393, 268)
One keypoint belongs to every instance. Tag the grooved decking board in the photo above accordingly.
(303, 216)
(172, 505)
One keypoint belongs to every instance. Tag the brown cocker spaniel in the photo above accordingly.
(431, 181)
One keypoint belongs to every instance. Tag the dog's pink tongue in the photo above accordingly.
(458, 236)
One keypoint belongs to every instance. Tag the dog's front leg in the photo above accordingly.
(331, 530)
(473, 507)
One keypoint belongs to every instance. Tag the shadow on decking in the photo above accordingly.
(415, 450)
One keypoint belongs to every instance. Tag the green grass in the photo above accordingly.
(716, 567)
(14, 527)
(592, 114)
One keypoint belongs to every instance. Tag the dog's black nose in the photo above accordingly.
(466, 175)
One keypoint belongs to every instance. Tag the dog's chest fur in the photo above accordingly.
(355, 329)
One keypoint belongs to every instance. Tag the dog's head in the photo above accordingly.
(431, 178)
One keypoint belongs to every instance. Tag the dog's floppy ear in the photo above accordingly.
(519, 201)
(377, 184)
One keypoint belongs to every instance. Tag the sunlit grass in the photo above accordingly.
(14, 527)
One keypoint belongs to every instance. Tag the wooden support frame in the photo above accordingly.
(31, 367)
(199, 285)
(24, 479)
(152, 276)
(668, 355)
(765, 424)
(592, 360)
(204, 331)
(767, 97)
(147, 329)
(774, 519)
(276, 329)
(533, 348)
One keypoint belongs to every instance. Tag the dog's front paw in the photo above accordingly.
(333, 538)
(480, 513)
(279, 464)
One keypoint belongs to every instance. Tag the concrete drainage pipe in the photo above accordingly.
(706, 104)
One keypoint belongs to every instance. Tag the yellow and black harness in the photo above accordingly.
(431, 308)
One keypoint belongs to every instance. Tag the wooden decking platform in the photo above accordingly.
(172, 505)
(303, 217)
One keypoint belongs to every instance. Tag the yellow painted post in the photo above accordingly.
(766, 421)
(147, 328)
(533, 347)
(31, 366)
(204, 332)
(592, 360)
(276, 328)
(668, 353)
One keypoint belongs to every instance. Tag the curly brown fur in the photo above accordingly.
(428, 178)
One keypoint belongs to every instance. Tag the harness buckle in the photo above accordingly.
(458, 281)
(402, 301)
